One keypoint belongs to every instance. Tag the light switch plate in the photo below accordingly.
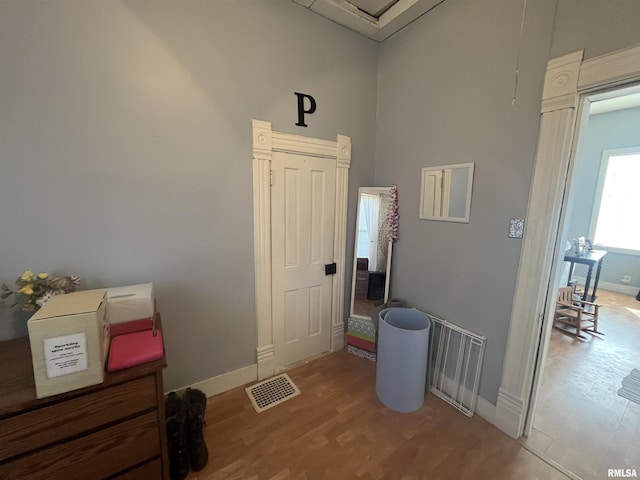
(516, 227)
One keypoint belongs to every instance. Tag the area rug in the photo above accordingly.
(631, 386)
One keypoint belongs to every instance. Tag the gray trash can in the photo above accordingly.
(403, 352)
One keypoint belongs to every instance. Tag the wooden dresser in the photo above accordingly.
(112, 430)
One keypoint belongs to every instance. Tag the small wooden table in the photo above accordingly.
(115, 429)
(590, 259)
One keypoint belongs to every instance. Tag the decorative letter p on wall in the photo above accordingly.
(301, 109)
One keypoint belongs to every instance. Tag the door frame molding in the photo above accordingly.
(265, 142)
(568, 79)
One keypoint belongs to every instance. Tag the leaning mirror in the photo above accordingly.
(446, 193)
(372, 252)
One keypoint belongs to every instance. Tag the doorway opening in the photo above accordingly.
(368, 228)
(568, 80)
(267, 145)
(577, 419)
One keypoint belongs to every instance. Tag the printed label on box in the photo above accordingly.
(65, 355)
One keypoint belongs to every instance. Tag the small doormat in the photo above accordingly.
(272, 392)
(631, 386)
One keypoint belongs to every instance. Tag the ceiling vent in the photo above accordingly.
(376, 19)
(375, 8)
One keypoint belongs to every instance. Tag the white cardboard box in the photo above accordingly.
(69, 339)
(133, 302)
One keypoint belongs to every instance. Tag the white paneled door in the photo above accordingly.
(302, 229)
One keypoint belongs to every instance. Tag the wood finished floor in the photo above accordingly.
(581, 423)
(337, 429)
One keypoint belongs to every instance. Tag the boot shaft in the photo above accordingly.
(196, 405)
(175, 407)
(175, 424)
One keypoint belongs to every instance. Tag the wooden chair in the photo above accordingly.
(577, 313)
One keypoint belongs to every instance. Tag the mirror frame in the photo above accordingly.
(425, 193)
(371, 190)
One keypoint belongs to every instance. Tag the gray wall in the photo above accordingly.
(125, 149)
(446, 85)
(597, 26)
(445, 88)
(603, 132)
(125, 146)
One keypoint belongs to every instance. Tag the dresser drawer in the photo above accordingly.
(50, 424)
(149, 471)
(98, 455)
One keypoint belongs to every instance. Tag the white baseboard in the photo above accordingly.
(509, 413)
(486, 410)
(338, 338)
(612, 287)
(226, 381)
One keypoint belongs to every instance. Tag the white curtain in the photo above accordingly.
(368, 228)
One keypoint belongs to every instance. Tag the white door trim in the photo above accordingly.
(265, 142)
(567, 79)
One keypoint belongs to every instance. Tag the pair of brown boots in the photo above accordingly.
(185, 436)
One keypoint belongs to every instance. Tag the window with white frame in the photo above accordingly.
(368, 229)
(614, 223)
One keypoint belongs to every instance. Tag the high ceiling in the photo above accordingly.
(376, 19)
(379, 19)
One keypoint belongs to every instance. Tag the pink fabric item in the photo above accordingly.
(360, 343)
(130, 327)
(131, 349)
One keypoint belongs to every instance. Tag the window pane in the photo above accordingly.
(617, 219)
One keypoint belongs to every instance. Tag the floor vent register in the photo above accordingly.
(272, 392)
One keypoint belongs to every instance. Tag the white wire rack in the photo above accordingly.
(456, 361)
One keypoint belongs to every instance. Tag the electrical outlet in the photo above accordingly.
(626, 279)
